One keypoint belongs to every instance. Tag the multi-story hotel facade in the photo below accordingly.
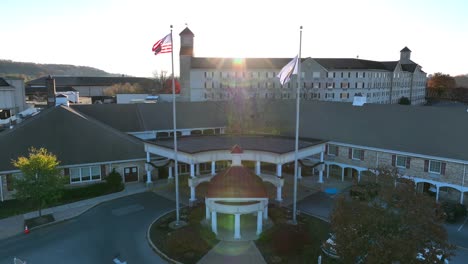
(324, 79)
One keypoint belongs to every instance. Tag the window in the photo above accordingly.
(345, 85)
(332, 150)
(84, 174)
(359, 85)
(435, 167)
(330, 85)
(316, 75)
(330, 74)
(356, 154)
(316, 85)
(401, 161)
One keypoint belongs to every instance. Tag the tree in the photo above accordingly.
(440, 83)
(40, 181)
(404, 101)
(125, 88)
(392, 226)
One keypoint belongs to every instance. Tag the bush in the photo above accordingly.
(114, 181)
(364, 192)
(85, 192)
(453, 211)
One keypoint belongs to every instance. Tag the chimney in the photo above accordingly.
(50, 85)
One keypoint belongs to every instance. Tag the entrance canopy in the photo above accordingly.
(201, 149)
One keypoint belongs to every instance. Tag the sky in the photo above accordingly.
(117, 35)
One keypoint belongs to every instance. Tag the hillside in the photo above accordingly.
(462, 80)
(29, 70)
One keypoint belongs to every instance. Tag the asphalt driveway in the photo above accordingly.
(114, 228)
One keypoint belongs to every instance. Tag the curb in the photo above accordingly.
(153, 246)
(84, 211)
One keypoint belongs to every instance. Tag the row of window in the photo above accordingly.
(376, 75)
(399, 161)
(85, 174)
(306, 85)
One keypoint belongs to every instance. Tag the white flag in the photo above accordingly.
(291, 68)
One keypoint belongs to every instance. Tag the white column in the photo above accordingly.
(321, 168)
(258, 167)
(265, 212)
(214, 224)
(462, 195)
(192, 194)
(192, 170)
(213, 167)
(207, 212)
(437, 194)
(197, 168)
(259, 222)
(278, 170)
(359, 177)
(170, 172)
(148, 168)
(278, 194)
(237, 226)
(328, 171)
(342, 173)
(299, 172)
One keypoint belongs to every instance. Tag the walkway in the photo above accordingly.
(14, 225)
(245, 252)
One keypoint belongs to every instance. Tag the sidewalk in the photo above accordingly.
(14, 225)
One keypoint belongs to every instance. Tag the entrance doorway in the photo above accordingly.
(131, 174)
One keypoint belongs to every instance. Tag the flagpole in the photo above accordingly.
(296, 149)
(176, 172)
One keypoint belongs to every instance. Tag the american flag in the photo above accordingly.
(163, 45)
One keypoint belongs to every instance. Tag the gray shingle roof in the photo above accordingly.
(405, 49)
(273, 144)
(351, 64)
(147, 117)
(72, 136)
(415, 129)
(248, 63)
(92, 81)
(278, 63)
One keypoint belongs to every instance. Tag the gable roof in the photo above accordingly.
(405, 49)
(186, 31)
(3, 82)
(75, 139)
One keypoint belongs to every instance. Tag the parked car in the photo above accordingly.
(329, 247)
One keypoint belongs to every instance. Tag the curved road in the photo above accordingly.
(117, 227)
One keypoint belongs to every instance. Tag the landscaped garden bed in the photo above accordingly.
(283, 243)
(287, 243)
(187, 244)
